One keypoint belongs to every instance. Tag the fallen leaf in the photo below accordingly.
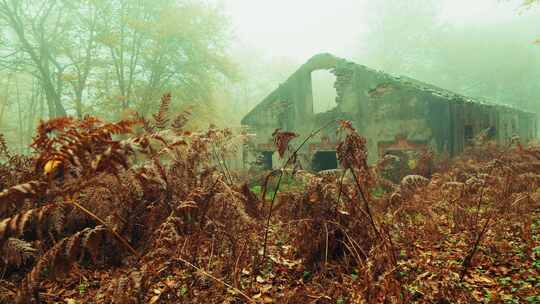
(154, 299)
(266, 288)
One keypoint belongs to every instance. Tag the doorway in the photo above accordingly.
(324, 160)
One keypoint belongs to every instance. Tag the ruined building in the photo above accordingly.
(393, 113)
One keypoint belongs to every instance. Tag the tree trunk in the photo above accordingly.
(53, 100)
(78, 103)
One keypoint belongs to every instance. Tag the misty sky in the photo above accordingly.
(301, 28)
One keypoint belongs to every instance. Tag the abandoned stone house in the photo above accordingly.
(393, 113)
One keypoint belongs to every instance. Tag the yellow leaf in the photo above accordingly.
(478, 296)
(412, 163)
(480, 279)
(154, 299)
(51, 166)
(266, 288)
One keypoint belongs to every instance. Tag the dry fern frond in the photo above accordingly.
(57, 261)
(18, 193)
(168, 234)
(413, 182)
(17, 252)
(86, 145)
(147, 125)
(34, 223)
(352, 151)
(4, 151)
(345, 125)
(161, 117)
(181, 120)
(282, 139)
(7, 291)
(43, 140)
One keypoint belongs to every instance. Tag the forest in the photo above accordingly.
(190, 151)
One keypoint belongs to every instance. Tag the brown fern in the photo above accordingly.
(33, 224)
(352, 155)
(4, 151)
(352, 151)
(282, 139)
(57, 261)
(161, 117)
(17, 252)
(86, 145)
(16, 194)
(181, 120)
(146, 124)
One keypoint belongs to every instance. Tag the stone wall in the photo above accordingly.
(383, 108)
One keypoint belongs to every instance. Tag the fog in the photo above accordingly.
(298, 29)
(480, 48)
(222, 57)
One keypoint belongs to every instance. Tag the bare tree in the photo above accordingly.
(82, 49)
(34, 30)
(123, 40)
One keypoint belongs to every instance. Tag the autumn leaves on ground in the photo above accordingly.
(146, 211)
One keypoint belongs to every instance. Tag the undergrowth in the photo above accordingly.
(145, 211)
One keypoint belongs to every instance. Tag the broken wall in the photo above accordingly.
(387, 110)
